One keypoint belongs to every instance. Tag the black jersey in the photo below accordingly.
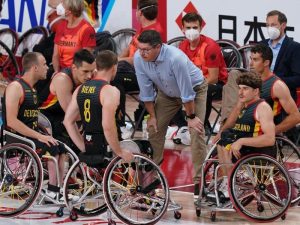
(246, 124)
(90, 108)
(49, 103)
(28, 109)
(268, 96)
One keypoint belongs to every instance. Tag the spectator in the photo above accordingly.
(74, 33)
(286, 52)
(205, 53)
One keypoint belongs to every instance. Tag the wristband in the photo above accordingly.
(192, 116)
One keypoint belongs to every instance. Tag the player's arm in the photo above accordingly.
(62, 86)
(264, 115)
(110, 98)
(71, 116)
(281, 91)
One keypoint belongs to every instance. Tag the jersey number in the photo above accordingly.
(87, 110)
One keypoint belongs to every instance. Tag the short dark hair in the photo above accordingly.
(149, 8)
(83, 55)
(192, 17)
(106, 59)
(264, 50)
(29, 60)
(281, 16)
(251, 79)
(151, 37)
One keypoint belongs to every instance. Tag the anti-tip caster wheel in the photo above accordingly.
(213, 216)
(73, 216)
(177, 215)
(283, 217)
(111, 222)
(198, 212)
(60, 212)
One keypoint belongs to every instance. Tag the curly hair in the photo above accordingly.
(251, 79)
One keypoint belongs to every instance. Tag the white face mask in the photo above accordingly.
(192, 34)
(273, 32)
(60, 10)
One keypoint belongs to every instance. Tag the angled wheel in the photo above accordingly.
(83, 192)
(245, 52)
(21, 177)
(260, 188)
(176, 41)
(30, 38)
(123, 38)
(288, 155)
(231, 54)
(137, 193)
(10, 38)
(8, 64)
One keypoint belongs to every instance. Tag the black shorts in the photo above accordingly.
(228, 137)
(53, 150)
(41, 147)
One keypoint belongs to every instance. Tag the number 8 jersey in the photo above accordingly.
(88, 100)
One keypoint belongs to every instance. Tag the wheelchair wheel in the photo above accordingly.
(288, 155)
(10, 38)
(21, 177)
(8, 64)
(30, 38)
(176, 41)
(260, 188)
(83, 192)
(122, 39)
(137, 193)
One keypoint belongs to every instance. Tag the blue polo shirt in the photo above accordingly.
(275, 51)
(172, 73)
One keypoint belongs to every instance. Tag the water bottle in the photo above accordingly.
(144, 127)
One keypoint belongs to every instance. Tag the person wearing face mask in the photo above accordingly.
(73, 34)
(125, 81)
(206, 54)
(286, 52)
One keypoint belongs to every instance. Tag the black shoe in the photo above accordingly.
(196, 191)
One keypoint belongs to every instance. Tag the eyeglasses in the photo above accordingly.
(145, 50)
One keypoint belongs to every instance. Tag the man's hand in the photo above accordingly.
(48, 140)
(127, 155)
(196, 124)
(152, 122)
(235, 149)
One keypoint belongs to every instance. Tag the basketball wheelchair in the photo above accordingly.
(136, 192)
(24, 174)
(261, 188)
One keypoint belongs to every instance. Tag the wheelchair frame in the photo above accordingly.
(233, 205)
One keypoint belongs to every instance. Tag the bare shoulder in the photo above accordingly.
(61, 77)
(109, 95)
(109, 90)
(280, 89)
(263, 109)
(14, 87)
